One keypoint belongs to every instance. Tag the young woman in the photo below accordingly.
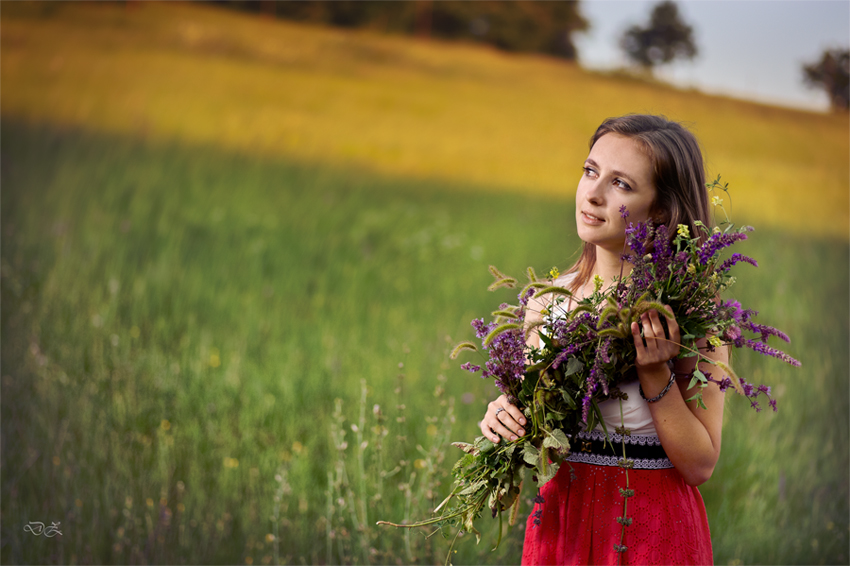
(654, 168)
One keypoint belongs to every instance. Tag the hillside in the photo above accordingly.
(394, 105)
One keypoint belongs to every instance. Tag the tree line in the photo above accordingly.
(521, 26)
(532, 26)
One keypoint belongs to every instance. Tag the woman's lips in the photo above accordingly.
(591, 219)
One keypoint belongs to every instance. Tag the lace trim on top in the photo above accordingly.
(618, 438)
(596, 458)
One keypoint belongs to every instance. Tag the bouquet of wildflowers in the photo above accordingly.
(587, 351)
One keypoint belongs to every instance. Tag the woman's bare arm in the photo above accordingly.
(689, 434)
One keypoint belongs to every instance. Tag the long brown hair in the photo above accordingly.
(678, 175)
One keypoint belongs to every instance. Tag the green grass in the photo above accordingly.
(178, 321)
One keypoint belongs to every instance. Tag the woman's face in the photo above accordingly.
(617, 172)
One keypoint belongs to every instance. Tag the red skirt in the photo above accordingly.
(576, 522)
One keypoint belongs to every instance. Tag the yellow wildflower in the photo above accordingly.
(716, 201)
(692, 268)
(715, 341)
(597, 283)
(554, 273)
(684, 231)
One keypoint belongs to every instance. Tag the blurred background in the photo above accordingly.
(239, 240)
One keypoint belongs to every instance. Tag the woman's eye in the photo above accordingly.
(589, 171)
(622, 184)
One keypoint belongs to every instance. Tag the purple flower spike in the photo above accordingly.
(763, 348)
(717, 242)
(736, 257)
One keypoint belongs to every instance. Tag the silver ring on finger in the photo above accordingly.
(499, 410)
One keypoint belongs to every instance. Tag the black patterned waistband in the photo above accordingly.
(641, 452)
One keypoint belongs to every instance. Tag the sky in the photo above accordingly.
(753, 49)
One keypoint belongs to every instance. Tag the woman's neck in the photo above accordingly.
(609, 265)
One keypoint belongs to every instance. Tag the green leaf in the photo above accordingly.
(574, 365)
(544, 476)
(556, 439)
(463, 462)
(473, 487)
(530, 454)
(486, 445)
(597, 412)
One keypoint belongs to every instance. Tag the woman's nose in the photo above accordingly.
(594, 193)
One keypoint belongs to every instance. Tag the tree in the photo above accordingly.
(831, 73)
(665, 38)
(513, 25)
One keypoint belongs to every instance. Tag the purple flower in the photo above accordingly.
(733, 335)
(560, 358)
(506, 363)
(717, 242)
(603, 350)
(736, 257)
(735, 309)
(636, 237)
(765, 331)
(763, 348)
(593, 380)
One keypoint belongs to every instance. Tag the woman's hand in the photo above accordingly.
(502, 419)
(654, 349)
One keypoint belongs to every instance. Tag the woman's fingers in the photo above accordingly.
(637, 337)
(656, 344)
(673, 329)
(502, 419)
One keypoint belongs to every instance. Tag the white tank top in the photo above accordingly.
(636, 415)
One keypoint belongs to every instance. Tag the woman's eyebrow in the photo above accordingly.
(616, 173)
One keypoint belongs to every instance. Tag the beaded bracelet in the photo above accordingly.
(663, 391)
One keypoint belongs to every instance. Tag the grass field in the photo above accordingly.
(217, 348)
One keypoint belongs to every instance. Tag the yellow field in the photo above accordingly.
(394, 105)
